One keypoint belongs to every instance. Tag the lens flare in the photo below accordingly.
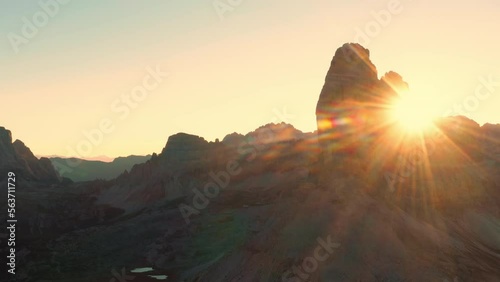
(413, 113)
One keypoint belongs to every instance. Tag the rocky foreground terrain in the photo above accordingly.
(346, 203)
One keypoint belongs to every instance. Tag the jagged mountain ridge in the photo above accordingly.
(186, 160)
(268, 218)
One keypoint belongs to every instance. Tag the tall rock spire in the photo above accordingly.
(351, 101)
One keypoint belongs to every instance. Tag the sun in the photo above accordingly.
(413, 113)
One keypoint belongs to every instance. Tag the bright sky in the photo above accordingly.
(229, 70)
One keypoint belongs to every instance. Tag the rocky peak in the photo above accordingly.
(16, 156)
(7, 153)
(23, 151)
(395, 80)
(351, 76)
(391, 84)
(233, 140)
(274, 132)
(493, 130)
(184, 147)
(5, 136)
(350, 90)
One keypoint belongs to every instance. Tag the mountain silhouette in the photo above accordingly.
(16, 157)
(346, 203)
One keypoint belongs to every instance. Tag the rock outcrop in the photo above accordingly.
(351, 76)
(8, 159)
(352, 102)
(351, 80)
(182, 147)
(17, 157)
(7, 153)
(391, 85)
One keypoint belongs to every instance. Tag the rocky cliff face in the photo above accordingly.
(173, 173)
(350, 81)
(353, 102)
(8, 159)
(356, 137)
(184, 147)
(7, 153)
(351, 77)
(17, 157)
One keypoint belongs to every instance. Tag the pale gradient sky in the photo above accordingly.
(225, 75)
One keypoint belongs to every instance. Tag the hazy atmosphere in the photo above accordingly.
(242, 141)
(232, 65)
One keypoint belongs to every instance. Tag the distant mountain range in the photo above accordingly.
(87, 170)
(350, 202)
(101, 158)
